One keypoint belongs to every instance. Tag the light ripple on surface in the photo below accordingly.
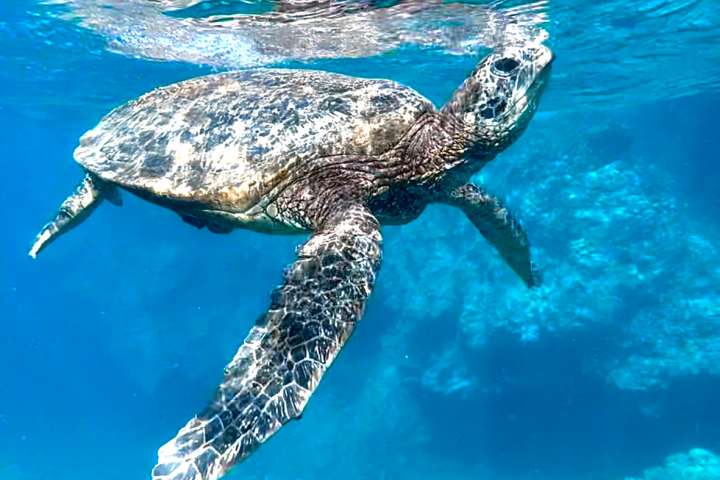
(295, 30)
(610, 54)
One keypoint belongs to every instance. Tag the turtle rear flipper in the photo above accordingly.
(78, 206)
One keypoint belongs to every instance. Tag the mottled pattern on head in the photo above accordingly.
(226, 140)
(496, 102)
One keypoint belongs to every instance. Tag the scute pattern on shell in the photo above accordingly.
(225, 140)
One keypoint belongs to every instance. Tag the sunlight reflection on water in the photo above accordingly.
(610, 54)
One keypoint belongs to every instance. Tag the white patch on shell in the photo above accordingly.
(183, 153)
(224, 156)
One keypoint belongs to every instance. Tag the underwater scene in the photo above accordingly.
(516, 203)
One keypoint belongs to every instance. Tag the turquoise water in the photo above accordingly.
(118, 334)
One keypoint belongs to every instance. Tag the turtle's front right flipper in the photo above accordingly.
(78, 206)
(270, 380)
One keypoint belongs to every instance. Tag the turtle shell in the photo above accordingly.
(224, 141)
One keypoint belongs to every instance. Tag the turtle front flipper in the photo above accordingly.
(78, 206)
(275, 371)
(499, 227)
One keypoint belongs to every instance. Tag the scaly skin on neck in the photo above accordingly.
(440, 153)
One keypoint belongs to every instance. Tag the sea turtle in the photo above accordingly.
(293, 151)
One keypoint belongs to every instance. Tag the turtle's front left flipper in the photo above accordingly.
(272, 376)
(75, 209)
(499, 227)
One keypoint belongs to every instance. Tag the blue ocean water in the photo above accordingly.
(117, 335)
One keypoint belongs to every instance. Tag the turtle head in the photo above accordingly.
(496, 103)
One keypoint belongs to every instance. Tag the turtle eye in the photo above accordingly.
(506, 65)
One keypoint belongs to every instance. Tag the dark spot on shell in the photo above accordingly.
(280, 112)
(218, 128)
(255, 153)
(258, 131)
(386, 103)
(122, 152)
(156, 162)
(155, 166)
(196, 115)
(146, 137)
(336, 104)
(219, 119)
(341, 88)
(195, 175)
(292, 119)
